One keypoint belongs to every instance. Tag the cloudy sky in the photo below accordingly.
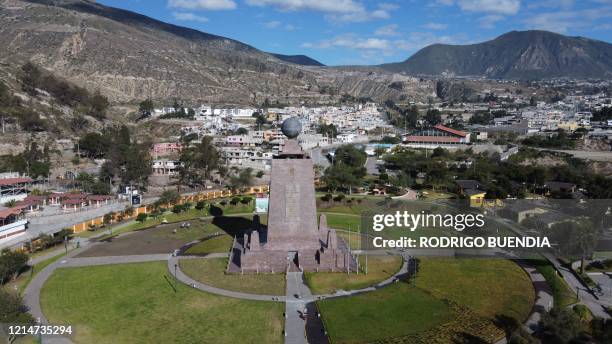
(339, 32)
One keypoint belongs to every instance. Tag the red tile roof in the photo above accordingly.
(73, 201)
(450, 130)
(4, 214)
(99, 197)
(435, 139)
(12, 181)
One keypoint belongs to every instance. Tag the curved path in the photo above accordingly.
(294, 323)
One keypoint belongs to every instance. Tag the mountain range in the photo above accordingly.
(528, 55)
(129, 57)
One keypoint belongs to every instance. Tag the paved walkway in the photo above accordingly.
(584, 294)
(297, 296)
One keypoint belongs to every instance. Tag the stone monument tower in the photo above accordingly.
(292, 238)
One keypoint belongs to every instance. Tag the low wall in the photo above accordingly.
(145, 209)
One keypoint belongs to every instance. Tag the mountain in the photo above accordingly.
(530, 54)
(301, 60)
(129, 57)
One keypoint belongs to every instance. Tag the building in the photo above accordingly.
(437, 136)
(12, 223)
(14, 189)
(166, 167)
(166, 148)
(293, 240)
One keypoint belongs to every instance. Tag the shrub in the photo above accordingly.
(142, 217)
(200, 205)
(339, 198)
(327, 197)
(177, 208)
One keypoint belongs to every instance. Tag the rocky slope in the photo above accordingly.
(130, 57)
(514, 55)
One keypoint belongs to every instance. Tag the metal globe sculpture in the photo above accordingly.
(291, 127)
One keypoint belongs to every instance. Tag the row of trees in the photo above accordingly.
(33, 161)
(33, 78)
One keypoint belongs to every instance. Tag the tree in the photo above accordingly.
(347, 170)
(433, 117)
(241, 179)
(199, 162)
(560, 326)
(260, 119)
(328, 130)
(145, 108)
(200, 205)
(169, 197)
(94, 145)
(98, 104)
(13, 311)
(30, 78)
(11, 263)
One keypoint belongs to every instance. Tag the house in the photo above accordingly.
(473, 190)
(437, 136)
(74, 204)
(166, 148)
(32, 203)
(98, 200)
(14, 189)
(12, 223)
(166, 167)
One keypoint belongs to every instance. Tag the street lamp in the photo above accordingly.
(175, 279)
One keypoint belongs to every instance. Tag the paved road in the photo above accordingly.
(586, 298)
(297, 296)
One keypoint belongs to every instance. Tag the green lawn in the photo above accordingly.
(379, 269)
(212, 272)
(135, 303)
(394, 311)
(562, 294)
(490, 287)
(218, 244)
(22, 281)
(343, 221)
(452, 301)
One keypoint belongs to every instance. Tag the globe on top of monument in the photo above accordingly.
(291, 127)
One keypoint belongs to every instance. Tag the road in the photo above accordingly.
(589, 155)
(298, 295)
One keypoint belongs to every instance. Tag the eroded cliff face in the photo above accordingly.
(130, 57)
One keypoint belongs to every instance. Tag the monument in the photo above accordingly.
(293, 239)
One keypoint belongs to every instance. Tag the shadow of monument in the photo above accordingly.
(508, 324)
(466, 338)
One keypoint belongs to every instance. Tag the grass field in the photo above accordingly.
(488, 287)
(343, 221)
(136, 303)
(470, 295)
(212, 272)
(218, 244)
(379, 269)
(562, 294)
(394, 311)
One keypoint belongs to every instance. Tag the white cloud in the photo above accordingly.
(272, 24)
(563, 21)
(506, 7)
(387, 30)
(435, 26)
(275, 24)
(335, 10)
(203, 4)
(417, 40)
(351, 42)
(337, 6)
(186, 16)
(489, 21)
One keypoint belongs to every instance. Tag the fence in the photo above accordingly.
(145, 209)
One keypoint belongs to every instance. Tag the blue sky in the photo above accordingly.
(340, 32)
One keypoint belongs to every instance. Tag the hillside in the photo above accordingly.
(514, 55)
(301, 60)
(129, 57)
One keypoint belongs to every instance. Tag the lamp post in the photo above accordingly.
(175, 279)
